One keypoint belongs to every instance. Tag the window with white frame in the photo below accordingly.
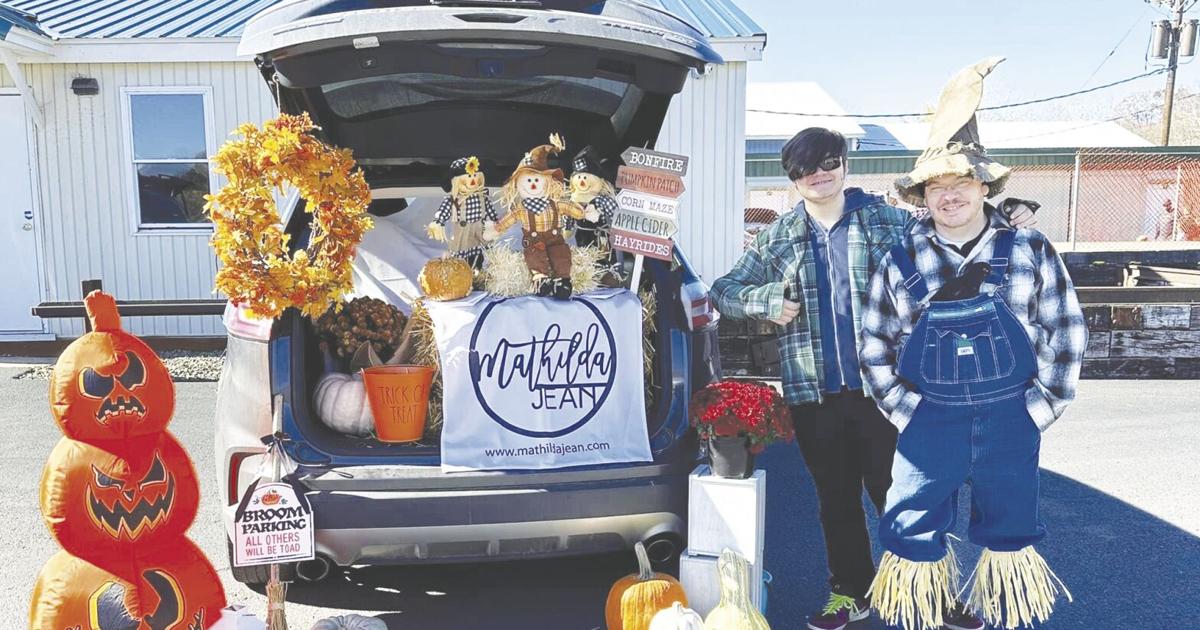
(168, 133)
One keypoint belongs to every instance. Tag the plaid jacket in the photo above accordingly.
(781, 256)
(1037, 288)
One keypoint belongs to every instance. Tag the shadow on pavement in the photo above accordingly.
(566, 593)
(1125, 567)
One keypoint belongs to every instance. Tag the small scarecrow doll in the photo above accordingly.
(468, 209)
(535, 196)
(590, 190)
(970, 369)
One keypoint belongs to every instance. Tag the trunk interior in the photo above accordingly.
(308, 363)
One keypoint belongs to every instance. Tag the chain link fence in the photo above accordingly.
(1087, 196)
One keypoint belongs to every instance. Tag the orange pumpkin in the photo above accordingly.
(446, 278)
(101, 503)
(158, 588)
(108, 384)
(636, 598)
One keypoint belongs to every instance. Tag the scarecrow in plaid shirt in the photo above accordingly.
(535, 196)
(468, 209)
(972, 344)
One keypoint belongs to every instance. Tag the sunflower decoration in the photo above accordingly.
(260, 269)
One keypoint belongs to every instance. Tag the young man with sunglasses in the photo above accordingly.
(808, 272)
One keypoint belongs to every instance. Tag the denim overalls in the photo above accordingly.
(972, 363)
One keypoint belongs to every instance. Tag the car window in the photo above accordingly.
(376, 95)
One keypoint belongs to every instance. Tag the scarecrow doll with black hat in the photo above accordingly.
(467, 209)
(535, 196)
(591, 190)
(972, 344)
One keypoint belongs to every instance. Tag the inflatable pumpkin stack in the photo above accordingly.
(119, 493)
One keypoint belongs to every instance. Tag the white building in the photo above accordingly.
(108, 112)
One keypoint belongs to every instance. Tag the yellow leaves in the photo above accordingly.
(259, 269)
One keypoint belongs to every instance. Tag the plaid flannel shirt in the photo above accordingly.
(473, 208)
(781, 256)
(546, 214)
(1037, 288)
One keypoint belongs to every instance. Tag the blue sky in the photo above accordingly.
(888, 56)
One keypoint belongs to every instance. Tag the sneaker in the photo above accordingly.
(841, 610)
(959, 618)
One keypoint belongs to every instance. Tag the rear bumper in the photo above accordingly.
(404, 527)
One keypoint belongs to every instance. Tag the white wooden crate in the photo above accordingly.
(701, 582)
(727, 513)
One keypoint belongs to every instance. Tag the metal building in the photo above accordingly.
(80, 156)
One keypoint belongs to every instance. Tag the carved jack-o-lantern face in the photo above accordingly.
(108, 384)
(101, 502)
(124, 507)
(173, 588)
(116, 391)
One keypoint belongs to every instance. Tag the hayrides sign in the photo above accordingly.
(533, 383)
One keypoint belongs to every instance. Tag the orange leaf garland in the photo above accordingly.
(258, 270)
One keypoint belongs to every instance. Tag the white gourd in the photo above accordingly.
(677, 617)
(735, 612)
(350, 622)
(341, 402)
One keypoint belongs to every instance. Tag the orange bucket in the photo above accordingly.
(399, 397)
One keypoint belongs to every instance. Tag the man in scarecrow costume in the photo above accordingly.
(535, 196)
(468, 209)
(972, 344)
(589, 188)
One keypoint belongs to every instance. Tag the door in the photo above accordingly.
(18, 240)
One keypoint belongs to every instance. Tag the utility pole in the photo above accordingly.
(1172, 63)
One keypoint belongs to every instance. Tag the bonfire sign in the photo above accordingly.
(648, 204)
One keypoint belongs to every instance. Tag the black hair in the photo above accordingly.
(809, 147)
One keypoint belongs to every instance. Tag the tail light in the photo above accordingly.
(241, 323)
(696, 306)
(235, 468)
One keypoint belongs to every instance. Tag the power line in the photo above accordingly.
(981, 109)
(1114, 48)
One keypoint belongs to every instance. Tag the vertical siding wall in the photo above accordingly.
(86, 192)
(708, 123)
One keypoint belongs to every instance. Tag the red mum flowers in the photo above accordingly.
(741, 408)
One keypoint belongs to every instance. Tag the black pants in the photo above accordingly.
(848, 446)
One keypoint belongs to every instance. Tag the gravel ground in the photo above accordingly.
(184, 366)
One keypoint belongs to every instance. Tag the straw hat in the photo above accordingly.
(542, 159)
(954, 147)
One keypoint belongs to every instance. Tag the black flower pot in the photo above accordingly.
(731, 457)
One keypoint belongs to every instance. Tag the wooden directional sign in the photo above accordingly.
(654, 247)
(655, 160)
(649, 182)
(643, 224)
(652, 205)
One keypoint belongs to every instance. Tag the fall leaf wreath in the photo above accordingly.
(258, 271)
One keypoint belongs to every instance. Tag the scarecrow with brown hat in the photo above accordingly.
(972, 344)
(535, 196)
(467, 209)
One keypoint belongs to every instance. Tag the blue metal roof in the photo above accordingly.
(10, 17)
(209, 18)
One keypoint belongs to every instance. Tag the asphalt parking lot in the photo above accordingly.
(1120, 500)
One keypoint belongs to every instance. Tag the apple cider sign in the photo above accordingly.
(648, 205)
(274, 526)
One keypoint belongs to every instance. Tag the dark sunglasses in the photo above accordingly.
(828, 164)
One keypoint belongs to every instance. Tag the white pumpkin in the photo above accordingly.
(341, 402)
(677, 617)
(350, 622)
